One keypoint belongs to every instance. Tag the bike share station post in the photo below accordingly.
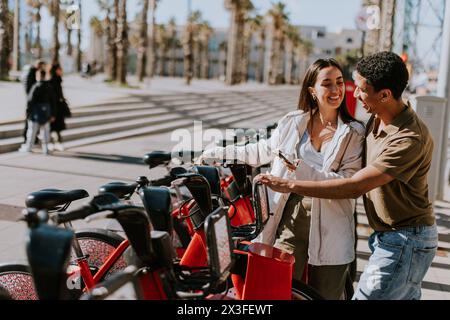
(432, 112)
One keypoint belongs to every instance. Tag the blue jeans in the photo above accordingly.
(399, 261)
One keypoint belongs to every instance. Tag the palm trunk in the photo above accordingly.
(38, 44)
(56, 45)
(151, 46)
(122, 44)
(16, 37)
(172, 61)
(28, 31)
(110, 52)
(372, 38)
(188, 53)
(69, 41)
(222, 61)
(276, 67)
(197, 57)
(4, 46)
(114, 33)
(205, 60)
(79, 53)
(171, 67)
(261, 54)
(143, 43)
(234, 46)
(387, 21)
(298, 64)
(289, 62)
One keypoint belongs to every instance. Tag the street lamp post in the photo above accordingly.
(444, 91)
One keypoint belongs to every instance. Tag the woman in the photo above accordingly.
(62, 109)
(329, 142)
(41, 101)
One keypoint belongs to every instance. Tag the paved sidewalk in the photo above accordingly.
(91, 166)
(82, 92)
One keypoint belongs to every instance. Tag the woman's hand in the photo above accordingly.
(275, 183)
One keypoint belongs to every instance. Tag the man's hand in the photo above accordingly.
(275, 183)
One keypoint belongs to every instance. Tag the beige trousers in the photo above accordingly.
(293, 237)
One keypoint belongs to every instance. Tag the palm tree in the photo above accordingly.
(152, 49)
(387, 21)
(258, 26)
(142, 42)
(173, 44)
(239, 9)
(5, 49)
(292, 42)
(64, 17)
(253, 25)
(114, 31)
(188, 45)
(279, 20)
(109, 27)
(122, 43)
(16, 37)
(372, 37)
(303, 51)
(205, 33)
(37, 5)
(245, 50)
(28, 31)
(69, 40)
(222, 59)
(79, 52)
(97, 44)
(54, 8)
(162, 46)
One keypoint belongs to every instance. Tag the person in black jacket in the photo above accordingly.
(41, 103)
(29, 79)
(61, 108)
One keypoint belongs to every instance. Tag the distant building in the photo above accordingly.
(325, 44)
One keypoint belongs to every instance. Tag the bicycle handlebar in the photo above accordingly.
(76, 214)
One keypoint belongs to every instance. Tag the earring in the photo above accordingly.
(314, 97)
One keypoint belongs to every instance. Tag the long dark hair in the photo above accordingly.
(53, 70)
(306, 101)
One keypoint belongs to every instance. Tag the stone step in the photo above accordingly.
(108, 126)
(154, 129)
(88, 118)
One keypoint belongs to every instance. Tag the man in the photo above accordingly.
(29, 79)
(394, 184)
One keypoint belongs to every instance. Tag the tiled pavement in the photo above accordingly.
(91, 166)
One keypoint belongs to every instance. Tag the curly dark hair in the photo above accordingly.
(384, 70)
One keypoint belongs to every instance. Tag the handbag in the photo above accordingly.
(65, 109)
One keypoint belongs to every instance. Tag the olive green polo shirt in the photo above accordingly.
(403, 150)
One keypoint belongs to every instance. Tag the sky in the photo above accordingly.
(333, 14)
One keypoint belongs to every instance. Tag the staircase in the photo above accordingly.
(143, 115)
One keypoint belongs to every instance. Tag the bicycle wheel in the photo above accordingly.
(17, 281)
(98, 244)
(302, 291)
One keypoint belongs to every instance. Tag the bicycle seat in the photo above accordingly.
(119, 189)
(157, 158)
(51, 198)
